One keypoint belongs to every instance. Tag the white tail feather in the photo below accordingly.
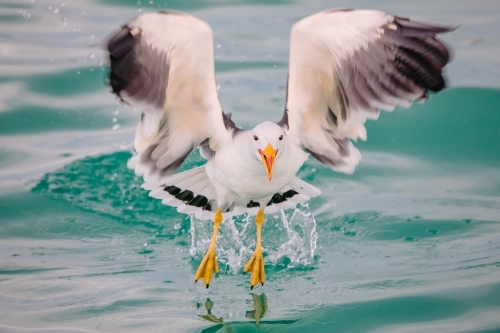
(192, 193)
(304, 188)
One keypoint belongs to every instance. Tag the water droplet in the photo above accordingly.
(63, 4)
(177, 226)
(151, 2)
(126, 145)
(218, 87)
(64, 21)
(116, 112)
(92, 56)
(115, 127)
(115, 120)
(146, 244)
(78, 73)
(56, 10)
(218, 46)
(25, 14)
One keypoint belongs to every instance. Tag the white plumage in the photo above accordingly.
(344, 67)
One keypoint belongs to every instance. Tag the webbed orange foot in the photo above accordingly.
(207, 266)
(256, 266)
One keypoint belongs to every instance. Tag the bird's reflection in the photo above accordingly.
(212, 318)
(259, 309)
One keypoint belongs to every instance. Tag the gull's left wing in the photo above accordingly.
(346, 65)
(162, 64)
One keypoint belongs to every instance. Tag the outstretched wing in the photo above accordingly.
(346, 65)
(162, 64)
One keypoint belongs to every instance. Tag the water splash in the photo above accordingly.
(290, 234)
(302, 237)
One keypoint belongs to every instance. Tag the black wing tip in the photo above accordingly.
(335, 10)
(189, 197)
(283, 122)
(409, 27)
(420, 69)
(170, 12)
(252, 204)
(122, 57)
(114, 43)
(229, 123)
(276, 199)
(424, 60)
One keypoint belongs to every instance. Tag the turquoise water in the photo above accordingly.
(409, 243)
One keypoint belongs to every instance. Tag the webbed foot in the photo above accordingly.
(207, 266)
(256, 266)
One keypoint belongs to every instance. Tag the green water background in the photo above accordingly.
(409, 243)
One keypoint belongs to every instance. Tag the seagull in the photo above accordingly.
(344, 67)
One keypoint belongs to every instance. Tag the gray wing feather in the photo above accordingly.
(162, 64)
(355, 63)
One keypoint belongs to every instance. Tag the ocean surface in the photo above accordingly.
(409, 243)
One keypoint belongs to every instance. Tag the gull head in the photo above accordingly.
(267, 141)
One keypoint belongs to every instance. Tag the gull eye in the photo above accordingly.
(281, 137)
(255, 137)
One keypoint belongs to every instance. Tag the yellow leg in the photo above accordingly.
(256, 262)
(209, 262)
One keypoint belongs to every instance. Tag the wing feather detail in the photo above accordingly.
(346, 66)
(162, 64)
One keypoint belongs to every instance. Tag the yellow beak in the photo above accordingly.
(268, 157)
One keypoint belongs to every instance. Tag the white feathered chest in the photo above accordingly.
(238, 168)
